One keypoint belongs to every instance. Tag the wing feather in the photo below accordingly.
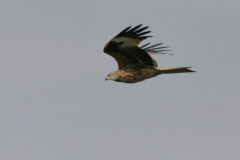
(131, 37)
(154, 49)
(123, 48)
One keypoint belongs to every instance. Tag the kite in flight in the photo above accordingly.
(135, 64)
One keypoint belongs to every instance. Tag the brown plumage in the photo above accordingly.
(135, 64)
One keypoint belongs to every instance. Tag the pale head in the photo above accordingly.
(111, 76)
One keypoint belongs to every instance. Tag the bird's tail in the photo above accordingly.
(175, 70)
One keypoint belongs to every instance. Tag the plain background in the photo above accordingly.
(55, 104)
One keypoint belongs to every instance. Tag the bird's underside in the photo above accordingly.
(135, 64)
(135, 76)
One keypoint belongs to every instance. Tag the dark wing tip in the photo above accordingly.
(122, 32)
(135, 32)
(155, 49)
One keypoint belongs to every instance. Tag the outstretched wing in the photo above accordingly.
(123, 48)
(154, 49)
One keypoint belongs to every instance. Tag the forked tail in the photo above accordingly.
(175, 70)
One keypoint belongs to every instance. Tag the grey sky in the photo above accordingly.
(55, 104)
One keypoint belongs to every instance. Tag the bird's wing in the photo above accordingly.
(123, 48)
(154, 49)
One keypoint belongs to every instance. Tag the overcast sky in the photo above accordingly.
(55, 104)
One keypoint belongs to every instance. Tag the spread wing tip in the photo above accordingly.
(135, 32)
(155, 49)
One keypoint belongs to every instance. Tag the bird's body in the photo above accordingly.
(135, 76)
(135, 64)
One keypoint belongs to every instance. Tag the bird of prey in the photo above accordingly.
(135, 64)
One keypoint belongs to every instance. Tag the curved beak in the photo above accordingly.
(107, 78)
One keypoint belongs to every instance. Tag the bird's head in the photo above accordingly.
(111, 76)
